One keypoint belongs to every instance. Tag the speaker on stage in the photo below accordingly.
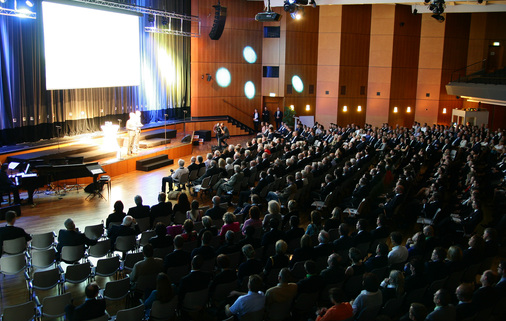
(186, 139)
(220, 16)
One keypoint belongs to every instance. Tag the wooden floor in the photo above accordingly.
(51, 211)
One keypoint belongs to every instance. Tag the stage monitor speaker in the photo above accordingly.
(186, 139)
(220, 17)
(16, 208)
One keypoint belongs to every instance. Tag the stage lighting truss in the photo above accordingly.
(14, 11)
(175, 22)
(438, 8)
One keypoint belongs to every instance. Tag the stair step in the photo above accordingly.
(156, 165)
(150, 160)
(150, 143)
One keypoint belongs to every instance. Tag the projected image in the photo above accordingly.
(297, 84)
(88, 48)
(249, 90)
(223, 77)
(249, 54)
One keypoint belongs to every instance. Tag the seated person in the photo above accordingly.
(279, 260)
(162, 209)
(231, 224)
(128, 227)
(92, 307)
(313, 282)
(295, 231)
(216, 212)
(175, 176)
(163, 293)
(334, 273)
(7, 185)
(117, 215)
(253, 301)
(229, 246)
(225, 275)
(11, 232)
(71, 237)
(139, 210)
(206, 251)
(178, 257)
(161, 239)
(195, 281)
(338, 312)
(149, 266)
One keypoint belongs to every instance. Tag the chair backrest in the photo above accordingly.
(94, 232)
(279, 311)
(108, 266)
(163, 311)
(195, 301)
(21, 312)
(146, 283)
(78, 273)
(161, 252)
(117, 290)
(72, 253)
(163, 219)
(298, 270)
(305, 302)
(193, 175)
(222, 291)
(144, 223)
(184, 178)
(202, 170)
(393, 306)
(368, 313)
(353, 286)
(179, 217)
(125, 243)
(12, 264)
(45, 280)
(206, 183)
(254, 316)
(43, 258)
(14, 246)
(145, 236)
(42, 241)
(178, 272)
(132, 314)
(235, 259)
(189, 246)
(100, 249)
(54, 306)
(131, 259)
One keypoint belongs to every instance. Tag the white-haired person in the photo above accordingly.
(175, 176)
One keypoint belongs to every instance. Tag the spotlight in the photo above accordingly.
(289, 6)
(165, 21)
(312, 3)
(438, 17)
(298, 13)
(151, 18)
(2, 1)
(29, 3)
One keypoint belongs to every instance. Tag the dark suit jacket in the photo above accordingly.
(11, 233)
(248, 268)
(361, 237)
(323, 250)
(139, 211)
(161, 209)
(114, 217)
(332, 275)
(216, 213)
(206, 251)
(380, 232)
(176, 258)
(375, 262)
(465, 310)
(343, 243)
(72, 238)
(485, 297)
(311, 284)
(195, 281)
(89, 310)
(446, 313)
(122, 230)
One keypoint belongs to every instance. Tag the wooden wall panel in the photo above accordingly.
(454, 58)
(354, 67)
(496, 31)
(405, 56)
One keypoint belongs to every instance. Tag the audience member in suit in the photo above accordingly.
(161, 239)
(414, 271)
(362, 236)
(162, 209)
(193, 165)
(417, 312)
(178, 257)
(92, 307)
(250, 266)
(304, 252)
(150, 266)
(501, 285)
(344, 242)
(71, 237)
(225, 275)
(195, 281)
(443, 311)
(324, 247)
(139, 210)
(474, 254)
(274, 233)
(283, 195)
(207, 224)
(206, 251)
(212, 169)
(491, 243)
(313, 282)
(416, 246)
(11, 232)
(435, 269)
(334, 273)
(466, 307)
(295, 231)
(381, 231)
(250, 238)
(379, 260)
(128, 227)
(487, 295)
(117, 215)
(431, 240)
(389, 206)
(279, 260)
(229, 246)
(216, 212)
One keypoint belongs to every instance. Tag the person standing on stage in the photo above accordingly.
(131, 126)
(225, 134)
(266, 115)
(256, 120)
(7, 185)
(278, 118)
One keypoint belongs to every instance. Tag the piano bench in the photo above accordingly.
(6, 193)
(106, 180)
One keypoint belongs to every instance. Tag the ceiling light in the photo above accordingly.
(408, 110)
(345, 108)
(396, 109)
(359, 108)
(308, 108)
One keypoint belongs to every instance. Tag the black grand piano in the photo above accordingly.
(41, 175)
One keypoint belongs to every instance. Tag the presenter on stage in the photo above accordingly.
(138, 131)
(133, 126)
(278, 118)
(256, 120)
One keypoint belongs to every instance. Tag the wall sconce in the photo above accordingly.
(396, 109)
(292, 107)
(272, 94)
(345, 108)
(359, 108)
(444, 110)
(308, 108)
(408, 110)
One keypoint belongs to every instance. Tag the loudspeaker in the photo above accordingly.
(186, 139)
(16, 208)
(220, 17)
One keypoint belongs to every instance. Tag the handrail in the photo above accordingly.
(465, 69)
(242, 111)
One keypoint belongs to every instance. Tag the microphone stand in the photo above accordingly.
(165, 131)
(58, 128)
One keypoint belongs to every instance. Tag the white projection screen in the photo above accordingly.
(90, 48)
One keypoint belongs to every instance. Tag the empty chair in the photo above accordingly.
(145, 236)
(13, 264)
(42, 241)
(278, 311)
(163, 311)
(54, 306)
(205, 186)
(94, 232)
(72, 253)
(100, 249)
(116, 290)
(144, 223)
(125, 243)
(193, 175)
(195, 301)
(183, 180)
(14, 246)
(130, 260)
(21, 312)
(78, 273)
(43, 280)
(222, 291)
(43, 258)
(132, 314)
(178, 272)
(107, 267)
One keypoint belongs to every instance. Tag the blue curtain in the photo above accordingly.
(29, 112)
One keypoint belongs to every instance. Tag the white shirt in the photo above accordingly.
(398, 254)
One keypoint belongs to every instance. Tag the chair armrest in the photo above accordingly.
(37, 301)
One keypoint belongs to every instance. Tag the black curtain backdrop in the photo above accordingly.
(29, 112)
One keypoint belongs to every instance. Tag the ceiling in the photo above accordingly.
(451, 6)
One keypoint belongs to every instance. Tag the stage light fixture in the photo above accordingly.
(249, 90)
(165, 21)
(292, 107)
(29, 3)
(289, 6)
(2, 1)
(151, 18)
(297, 84)
(223, 77)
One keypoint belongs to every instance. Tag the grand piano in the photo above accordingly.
(42, 175)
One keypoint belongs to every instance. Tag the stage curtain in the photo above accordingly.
(29, 112)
